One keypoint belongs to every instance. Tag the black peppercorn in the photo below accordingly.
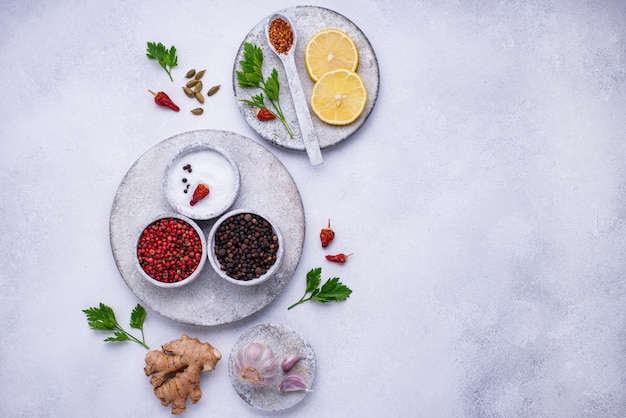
(245, 246)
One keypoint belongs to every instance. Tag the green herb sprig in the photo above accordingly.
(331, 290)
(166, 57)
(251, 75)
(102, 318)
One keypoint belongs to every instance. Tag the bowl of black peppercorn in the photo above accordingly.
(245, 248)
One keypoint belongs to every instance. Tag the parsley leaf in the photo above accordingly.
(102, 318)
(166, 57)
(119, 336)
(331, 290)
(272, 87)
(137, 317)
(251, 75)
(256, 101)
(313, 279)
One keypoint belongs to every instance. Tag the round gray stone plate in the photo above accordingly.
(266, 186)
(283, 341)
(307, 20)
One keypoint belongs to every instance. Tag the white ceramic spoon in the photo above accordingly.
(309, 136)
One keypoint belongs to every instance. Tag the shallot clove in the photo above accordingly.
(290, 361)
(293, 383)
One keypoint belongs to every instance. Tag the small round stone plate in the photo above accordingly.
(265, 185)
(307, 20)
(283, 341)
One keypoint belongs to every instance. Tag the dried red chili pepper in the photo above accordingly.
(264, 114)
(338, 258)
(201, 191)
(327, 235)
(163, 99)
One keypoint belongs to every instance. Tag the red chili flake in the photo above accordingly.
(201, 191)
(264, 114)
(327, 235)
(163, 99)
(281, 35)
(338, 258)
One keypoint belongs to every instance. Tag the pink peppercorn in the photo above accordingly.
(169, 250)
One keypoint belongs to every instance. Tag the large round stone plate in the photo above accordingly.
(283, 341)
(307, 20)
(266, 186)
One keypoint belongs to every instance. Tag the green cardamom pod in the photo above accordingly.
(188, 91)
(200, 97)
(213, 90)
(197, 111)
(190, 73)
(198, 87)
(192, 83)
(199, 74)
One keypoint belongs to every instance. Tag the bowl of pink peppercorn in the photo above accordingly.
(171, 251)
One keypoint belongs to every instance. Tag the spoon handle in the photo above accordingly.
(309, 136)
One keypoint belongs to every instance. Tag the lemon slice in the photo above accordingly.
(328, 50)
(339, 97)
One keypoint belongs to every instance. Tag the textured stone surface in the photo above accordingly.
(266, 186)
(307, 21)
(283, 341)
(484, 201)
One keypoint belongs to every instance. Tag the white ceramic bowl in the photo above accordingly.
(215, 263)
(186, 280)
(196, 164)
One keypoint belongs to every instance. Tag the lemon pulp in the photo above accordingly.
(339, 97)
(328, 50)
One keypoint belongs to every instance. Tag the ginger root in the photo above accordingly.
(176, 371)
